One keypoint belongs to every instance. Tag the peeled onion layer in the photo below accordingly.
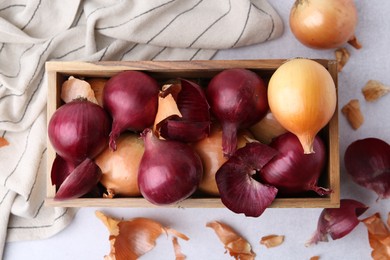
(337, 222)
(238, 99)
(131, 97)
(367, 161)
(194, 122)
(239, 191)
(169, 171)
(292, 171)
(60, 170)
(80, 181)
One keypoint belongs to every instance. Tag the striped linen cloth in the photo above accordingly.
(35, 31)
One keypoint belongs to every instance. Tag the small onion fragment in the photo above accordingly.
(194, 122)
(3, 142)
(74, 88)
(378, 236)
(338, 222)
(368, 162)
(236, 245)
(60, 170)
(131, 97)
(80, 181)
(239, 191)
(272, 240)
(130, 239)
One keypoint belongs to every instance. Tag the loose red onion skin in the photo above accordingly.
(292, 171)
(80, 181)
(238, 190)
(60, 170)
(79, 129)
(368, 162)
(131, 97)
(338, 222)
(169, 171)
(238, 99)
(195, 122)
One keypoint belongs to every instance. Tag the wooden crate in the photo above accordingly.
(58, 72)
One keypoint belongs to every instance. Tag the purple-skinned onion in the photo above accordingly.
(169, 171)
(194, 123)
(80, 181)
(79, 129)
(368, 162)
(238, 99)
(338, 222)
(292, 171)
(131, 97)
(239, 190)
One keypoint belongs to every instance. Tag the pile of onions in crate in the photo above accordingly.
(246, 135)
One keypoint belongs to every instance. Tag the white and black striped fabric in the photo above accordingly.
(35, 31)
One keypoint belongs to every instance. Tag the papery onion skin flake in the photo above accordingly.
(337, 222)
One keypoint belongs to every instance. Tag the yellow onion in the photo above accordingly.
(211, 154)
(120, 167)
(302, 97)
(323, 24)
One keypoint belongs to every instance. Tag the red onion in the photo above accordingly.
(169, 171)
(194, 124)
(368, 163)
(131, 97)
(238, 99)
(338, 222)
(239, 191)
(292, 171)
(79, 129)
(80, 181)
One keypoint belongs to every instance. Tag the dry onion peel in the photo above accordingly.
(177, 249)
(353, 113)
(373, 90)
(130, 239)
(97, 85)
(315, 257)
(342, 57)
(237, 246)
(3, 142)
(367, 161)
(74, 88)
(337, 222)
(272, 240)
(379, 236)
(167, 106)
(302, 97)
(193, 120)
